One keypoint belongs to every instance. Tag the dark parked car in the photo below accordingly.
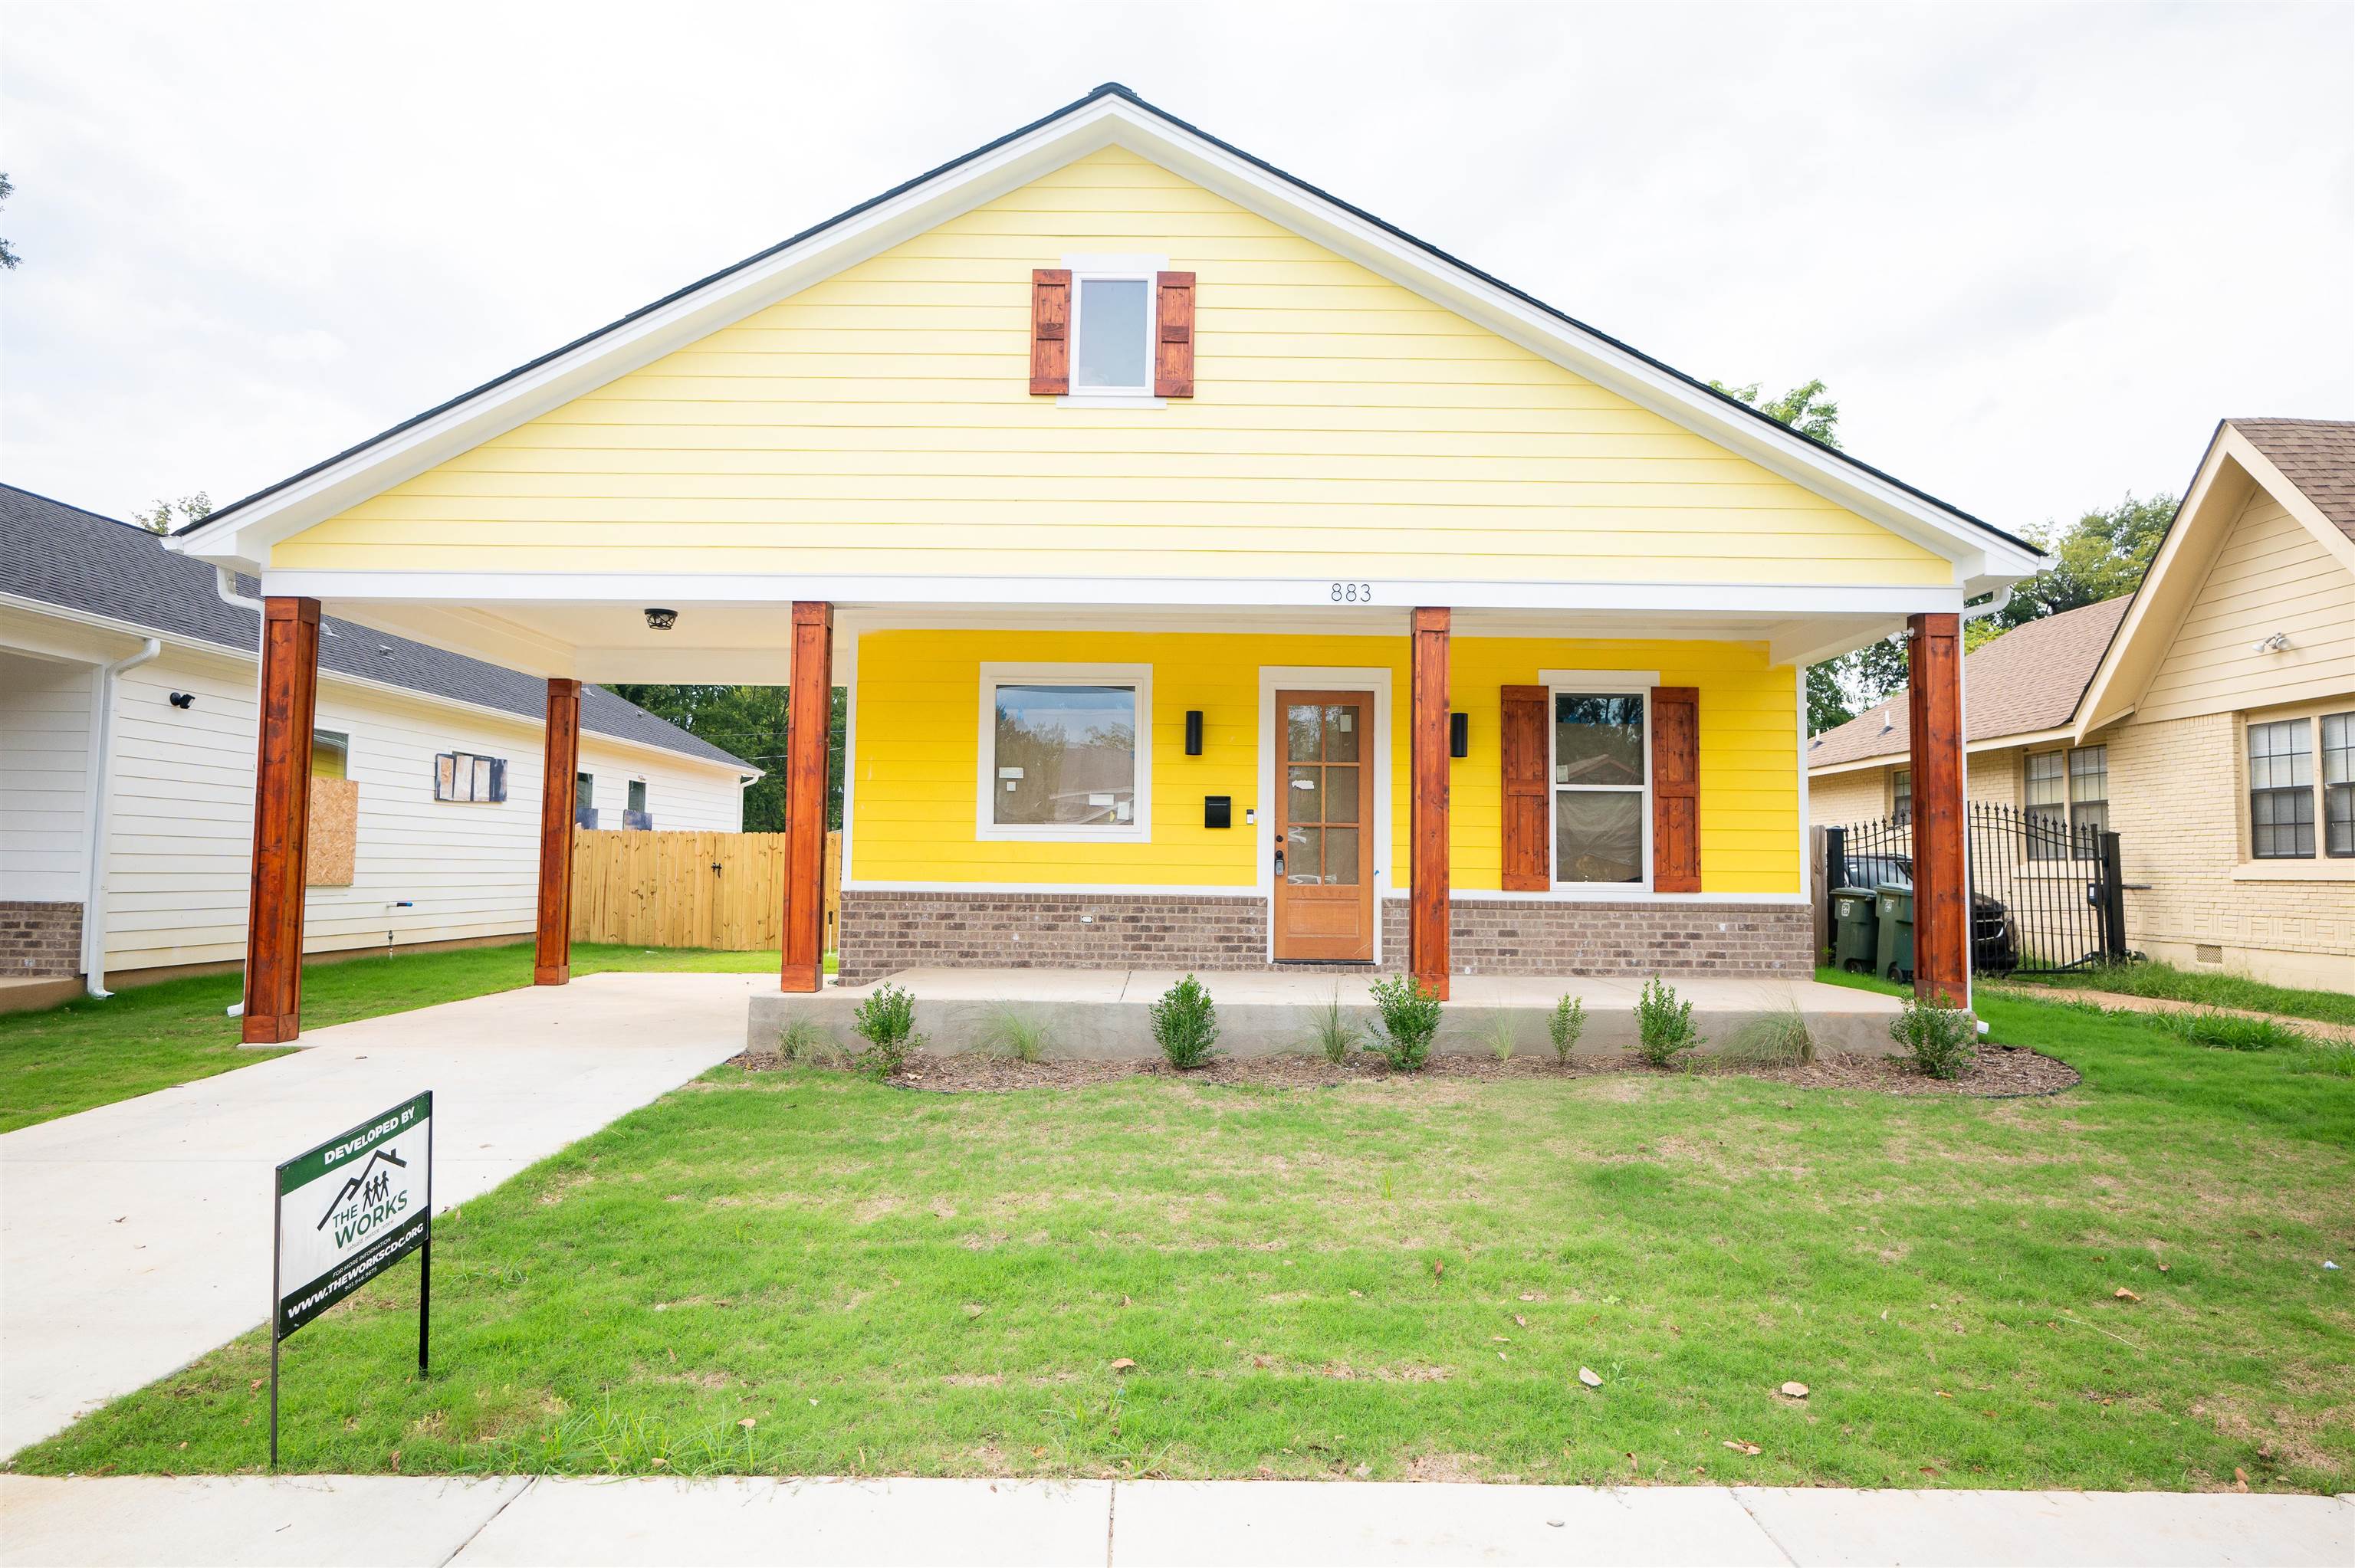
(1994, 950)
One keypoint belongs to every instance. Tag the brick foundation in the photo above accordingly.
(39, 940)
(882, 933)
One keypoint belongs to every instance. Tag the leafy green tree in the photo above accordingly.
(164, 516)
(9, 260)
(1808, 408)
(749, 721)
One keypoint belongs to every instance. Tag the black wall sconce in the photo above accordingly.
(183, 699)
(1459, 735)
(1194, 732)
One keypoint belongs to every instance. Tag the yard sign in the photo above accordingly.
(347, 1210)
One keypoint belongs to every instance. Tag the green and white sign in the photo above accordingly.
(352, 1208)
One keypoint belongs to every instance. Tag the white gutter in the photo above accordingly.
(2002, 597)
(225, 585)
(93, 901)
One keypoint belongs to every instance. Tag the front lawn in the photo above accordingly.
(801, 1272)
(151, 1037)
(2207, 989)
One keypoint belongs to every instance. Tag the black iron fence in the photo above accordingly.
(2044, 899)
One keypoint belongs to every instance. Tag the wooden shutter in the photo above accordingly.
(1051, 331)
(1173, 355)
(1676, 789)
(1521, 738)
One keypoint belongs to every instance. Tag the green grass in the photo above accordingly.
(2167, 981)
(800, 1272)
(145, 1038)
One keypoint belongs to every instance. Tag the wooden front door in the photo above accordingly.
(1324, 826)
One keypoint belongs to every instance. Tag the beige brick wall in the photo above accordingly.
(1836, 800)
(2175, 793)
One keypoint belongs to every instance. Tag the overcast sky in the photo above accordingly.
(2035, 251)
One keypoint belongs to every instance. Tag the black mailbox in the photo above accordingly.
(1218, 811)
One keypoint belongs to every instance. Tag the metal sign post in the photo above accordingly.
(343, 1213)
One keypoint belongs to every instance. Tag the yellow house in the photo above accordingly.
(1221, 577)
(2208, 719)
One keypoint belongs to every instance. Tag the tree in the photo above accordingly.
(164, 516)
(749, 721)
(1808, 408)
(8, 257)
(2101, 555)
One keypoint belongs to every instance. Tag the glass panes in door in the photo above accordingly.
(1324, 789)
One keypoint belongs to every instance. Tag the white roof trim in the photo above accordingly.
(242, 536)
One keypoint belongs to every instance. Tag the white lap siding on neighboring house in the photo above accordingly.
(182, 826)
(45, 739)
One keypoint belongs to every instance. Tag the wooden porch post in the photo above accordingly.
(1427, 813)
(1933, 698)
(808, 717)
(282, 820)
(559, 792)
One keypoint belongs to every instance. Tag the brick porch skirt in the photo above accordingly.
(39, 940)
(882, 933)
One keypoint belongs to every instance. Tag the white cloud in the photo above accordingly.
(2037, 252)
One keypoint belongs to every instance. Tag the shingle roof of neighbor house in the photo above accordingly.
(77, 560)
(2027, 679)
(2316, 455)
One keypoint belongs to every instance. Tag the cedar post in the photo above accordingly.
(560, 791)
(1933, 698)
(282, 820)
(808, 716)
(1427, 811)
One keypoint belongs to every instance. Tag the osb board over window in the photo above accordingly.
(335, 833)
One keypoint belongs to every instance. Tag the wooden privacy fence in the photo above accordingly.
(690, 890)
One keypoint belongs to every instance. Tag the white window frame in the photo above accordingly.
(1598, 684)
(1138, 830)
(1115, 268)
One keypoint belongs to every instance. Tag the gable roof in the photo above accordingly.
(1109, 114)
(2025, 682)
(2316, 455)
(2306, 465)
(77, 560)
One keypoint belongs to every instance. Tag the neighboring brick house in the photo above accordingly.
(2209, 718)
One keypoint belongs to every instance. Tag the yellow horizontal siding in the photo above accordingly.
(917, 757)
(881, 421)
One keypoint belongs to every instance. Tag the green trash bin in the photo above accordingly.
(1894, 905)
(1856, 931)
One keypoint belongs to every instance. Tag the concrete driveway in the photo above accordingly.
(135, 1237)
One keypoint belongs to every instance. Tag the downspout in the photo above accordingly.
(93, 900)
(225, 585)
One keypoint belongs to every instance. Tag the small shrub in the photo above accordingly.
(1568, 1022)
(1185, 1025)
(806, 1039)
(1016, 1035)
(1664, 1025)
(1776, 1039)
(1498, 1032)
(1332, 1033)
(1409, 1022)
(2229, 1031)
(886, 1019)
(1939, 1038)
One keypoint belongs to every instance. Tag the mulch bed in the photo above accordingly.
(2001, 1072)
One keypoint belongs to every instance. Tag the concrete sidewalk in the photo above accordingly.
(135, 1237)
(371, 1521)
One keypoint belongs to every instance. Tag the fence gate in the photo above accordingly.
(688, 889)
(2045, 898)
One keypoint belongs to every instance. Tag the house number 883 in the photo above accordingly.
(1353, 593)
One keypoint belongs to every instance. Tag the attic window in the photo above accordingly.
(1112, 335)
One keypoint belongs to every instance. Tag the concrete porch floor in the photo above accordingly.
(1104, 1013)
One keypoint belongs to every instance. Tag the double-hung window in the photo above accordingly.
(1066, 753)
(2281, 789)
(2089, 799)
(2338, 785)
(1602, 787)
(2048, 805)
(1900, 796)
